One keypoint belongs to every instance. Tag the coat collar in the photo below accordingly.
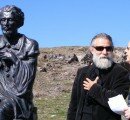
(5, 43)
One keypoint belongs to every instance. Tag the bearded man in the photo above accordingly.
(95, 84)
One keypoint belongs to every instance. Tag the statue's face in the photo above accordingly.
(8, 23)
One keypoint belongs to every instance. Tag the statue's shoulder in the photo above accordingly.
(31, 45)
(2, 42)
(30, 41)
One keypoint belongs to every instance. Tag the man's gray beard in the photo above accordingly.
(104, 62)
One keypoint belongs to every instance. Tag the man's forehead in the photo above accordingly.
(101, 41)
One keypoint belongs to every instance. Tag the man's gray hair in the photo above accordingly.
(102, 35)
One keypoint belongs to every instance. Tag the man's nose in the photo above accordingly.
(104, 51)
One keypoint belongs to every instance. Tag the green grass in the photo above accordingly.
(50, 108)
(53, 108)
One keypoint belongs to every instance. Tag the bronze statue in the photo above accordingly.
(18, 61)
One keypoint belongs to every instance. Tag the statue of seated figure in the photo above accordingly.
(18, 62)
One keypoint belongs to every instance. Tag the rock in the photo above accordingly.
(73, 59)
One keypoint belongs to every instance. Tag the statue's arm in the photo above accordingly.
(23, 70)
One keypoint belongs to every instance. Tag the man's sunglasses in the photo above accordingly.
(101, 48)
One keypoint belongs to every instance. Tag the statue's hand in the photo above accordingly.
(8, 55)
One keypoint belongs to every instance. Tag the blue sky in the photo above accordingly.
(55, 23)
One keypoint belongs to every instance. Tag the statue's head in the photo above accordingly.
(15, 12)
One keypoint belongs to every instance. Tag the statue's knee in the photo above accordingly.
(2, 114)
(6, 104)
(6, 108)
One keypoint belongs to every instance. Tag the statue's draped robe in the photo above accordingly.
(17, 78)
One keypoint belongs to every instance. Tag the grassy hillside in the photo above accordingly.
(52, 87)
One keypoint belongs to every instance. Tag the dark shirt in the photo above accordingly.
(93, 104)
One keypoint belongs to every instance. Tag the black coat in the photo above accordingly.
(93, 104)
